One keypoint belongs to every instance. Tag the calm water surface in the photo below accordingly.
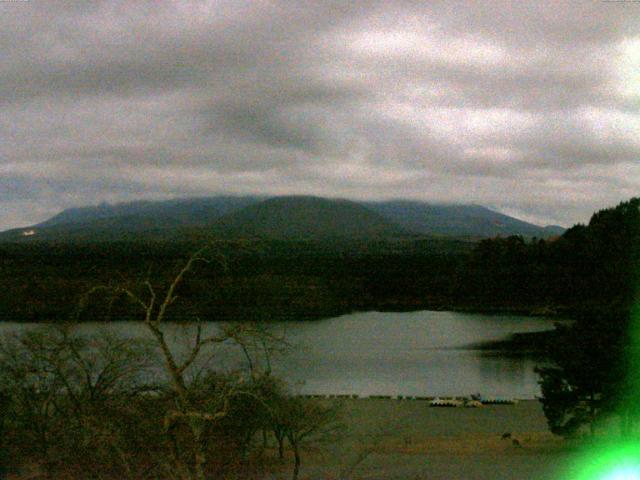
(409, 353)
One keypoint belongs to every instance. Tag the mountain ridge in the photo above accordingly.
(283, 217)
(458, 219)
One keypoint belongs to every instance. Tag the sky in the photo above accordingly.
(531, 108)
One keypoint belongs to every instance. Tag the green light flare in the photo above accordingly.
(617, 460)
(624, 473)
(608, 461)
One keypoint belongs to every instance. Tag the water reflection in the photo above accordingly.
(409, 353)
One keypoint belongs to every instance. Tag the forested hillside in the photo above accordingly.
(263, 280)
(592, 266)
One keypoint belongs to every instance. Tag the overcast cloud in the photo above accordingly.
(528, 107)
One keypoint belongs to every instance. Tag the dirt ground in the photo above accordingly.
(386, 439)
(408, 439)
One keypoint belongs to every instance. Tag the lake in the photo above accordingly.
(423, 353)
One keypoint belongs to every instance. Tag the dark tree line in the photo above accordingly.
(265, 280)
(590, 267)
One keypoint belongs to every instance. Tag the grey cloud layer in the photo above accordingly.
(530, 107)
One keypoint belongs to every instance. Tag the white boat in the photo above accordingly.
(446, 402)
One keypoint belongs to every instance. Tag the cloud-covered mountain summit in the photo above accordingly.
(287, 217)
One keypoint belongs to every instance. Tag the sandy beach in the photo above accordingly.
(408, 439)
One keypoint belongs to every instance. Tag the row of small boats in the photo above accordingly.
(471, 402)
(475, 400)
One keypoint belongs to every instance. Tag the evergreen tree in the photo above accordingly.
(586, 374)
(589, 370)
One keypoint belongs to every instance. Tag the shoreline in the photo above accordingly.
(393, 440)
(485, 399)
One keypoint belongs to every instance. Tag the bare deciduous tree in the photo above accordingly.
(154, 304)
(64, 389)
(305, 422)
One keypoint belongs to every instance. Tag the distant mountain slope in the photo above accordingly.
(141, 220)
(457, 220)
(306, 217)
(277, 217)
(177, 212)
